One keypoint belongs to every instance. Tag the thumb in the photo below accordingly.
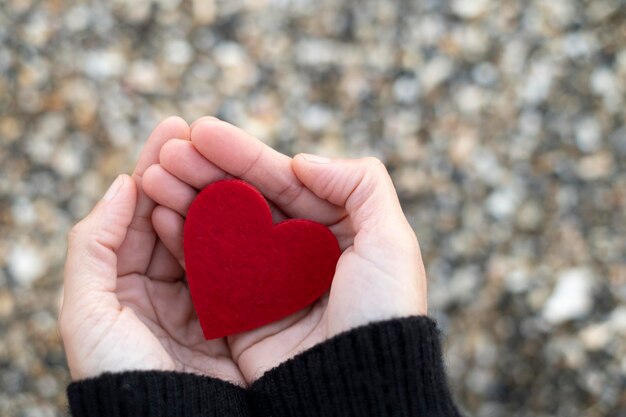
(362, 186)
(91, 265)
(383, 236)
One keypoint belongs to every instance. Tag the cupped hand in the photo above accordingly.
(380, 274)
(125, 304)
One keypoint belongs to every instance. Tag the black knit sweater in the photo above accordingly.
(390, 368)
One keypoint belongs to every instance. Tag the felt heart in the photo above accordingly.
(243, 271)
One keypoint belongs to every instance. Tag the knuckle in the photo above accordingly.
(327, 185)
(152, 170)
(171, 151)
(288, 193)
(76, 232)
(375, 168)
(151, 177)
(81, 235)
(375, 171)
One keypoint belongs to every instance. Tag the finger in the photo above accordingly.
(164, 266)
(91, 267)
(385, 256)
(168, 225)
(364, 188)
(245, 157)
(171, 128)
(136, 251)
(167, 190)
(181, 159)
(204, 119)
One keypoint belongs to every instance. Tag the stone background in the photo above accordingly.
(502, 123)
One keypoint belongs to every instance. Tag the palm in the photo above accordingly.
(171, 336)
(337, 311)
(261, 349)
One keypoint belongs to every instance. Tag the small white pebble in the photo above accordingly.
(571, 298)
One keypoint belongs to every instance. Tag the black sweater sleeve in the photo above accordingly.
(390, 368)
(156, 393)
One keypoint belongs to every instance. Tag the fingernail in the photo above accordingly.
(114, 188)
(316, 159)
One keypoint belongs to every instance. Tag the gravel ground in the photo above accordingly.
(502, 123)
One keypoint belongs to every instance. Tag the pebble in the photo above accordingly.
(26, 264)
(143, 76)
(23, 211)
(602, 9)
(458, 289)
(77, 18)
(104, 64)
(137, 13)
(47, 386)
(469, 9)
(316, 52)
(596, 166)
(618, 141)
(178, 51)
(617, 320)
(36, 30)
(538, 83)
(45, 137)
(315, 118)
(588, 135)
(406, 89)
(485, 74)
(517, 281)
(39, 411)
(578, 45)
(470, 100)
(608, 84)
(596, 336)
(487, 167)
(68, 160)
(572, 297)
(203, 11)
(435, 72)
(530, 216)
(430, 28)
(513, 61)
(559, 13)
(503, 202)
(567, 350)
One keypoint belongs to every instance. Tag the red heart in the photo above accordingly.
(243, 272)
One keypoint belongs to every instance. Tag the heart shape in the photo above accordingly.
(244, 272)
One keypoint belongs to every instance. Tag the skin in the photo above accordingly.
(125, 266)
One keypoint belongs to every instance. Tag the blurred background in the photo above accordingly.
(501, 122)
